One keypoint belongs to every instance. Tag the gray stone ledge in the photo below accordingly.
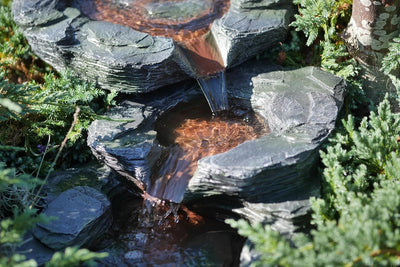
(300, 106)
(120, 58)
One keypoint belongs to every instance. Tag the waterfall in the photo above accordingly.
(214, 90)
(203, 59)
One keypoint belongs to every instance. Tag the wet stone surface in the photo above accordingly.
(141, 234)
(120, 58)
(94, 175)
(300, 107)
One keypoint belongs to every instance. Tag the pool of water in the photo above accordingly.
(157, 230)
(179, 19)
(160, 235)
(191, 132)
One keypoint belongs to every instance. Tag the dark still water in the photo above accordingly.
(145, 235)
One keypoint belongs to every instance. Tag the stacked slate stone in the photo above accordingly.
(268, 179)
(77, 203)
(114, 56)
(250, 27)
(120, 58)
(80, 216)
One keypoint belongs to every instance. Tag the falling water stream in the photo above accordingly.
(165, 233)
(187, 22)
(189, 131)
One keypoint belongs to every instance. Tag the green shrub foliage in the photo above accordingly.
(357, 161)
(74, 256)
(13, 43)
(323, 22)
(17, 217)
(17, 62)
(357, 220)
(37, 117)
(391, 63)
(319, 20)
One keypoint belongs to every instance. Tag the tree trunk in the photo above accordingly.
(372, 26)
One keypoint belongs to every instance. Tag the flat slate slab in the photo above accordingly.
(300, 107)
(122, 59)
(81, 215)
(250, 27)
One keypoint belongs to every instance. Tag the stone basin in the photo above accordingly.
(122, 59)
(269, 178)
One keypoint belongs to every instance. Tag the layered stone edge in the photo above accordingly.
(287, 173)
(66, 230)
(294, 139)
(129, 61)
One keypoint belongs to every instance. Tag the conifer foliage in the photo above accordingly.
(39, 112)
(357, 220)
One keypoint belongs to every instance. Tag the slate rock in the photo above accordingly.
(116, 57)
(93, 174)
(285, 217)
(36, 12)
(126, 141)
(250, 27)
(274, 171)
(301, 107)
(33, 249)
(119, 58)
(82, 214)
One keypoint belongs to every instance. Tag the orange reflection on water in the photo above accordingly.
(187, 27)
(153, 16)
(201, 138)
(196, 138)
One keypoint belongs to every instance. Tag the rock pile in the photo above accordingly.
(300, 107)
(120, 58)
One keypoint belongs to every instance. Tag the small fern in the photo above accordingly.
(391, 63)
(318, 19)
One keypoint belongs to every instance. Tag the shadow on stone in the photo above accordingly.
(120, 58)
(300, 107)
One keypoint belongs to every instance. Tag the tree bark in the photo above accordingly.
(372, 27)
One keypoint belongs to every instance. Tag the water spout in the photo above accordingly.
(187, 22)
(214, 89)
(205, 62)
